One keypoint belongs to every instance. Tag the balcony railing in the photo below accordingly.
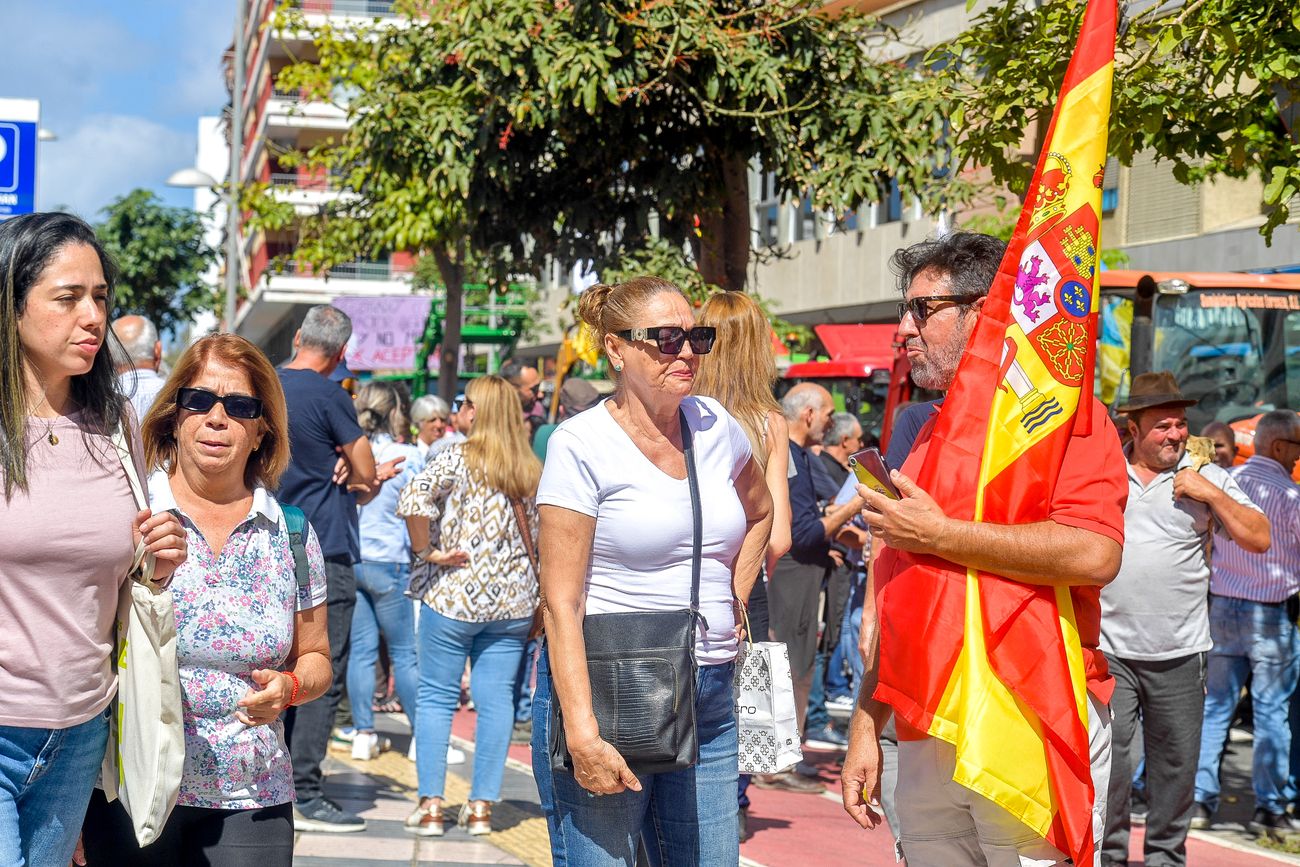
(312, 183)
(292, 94)
(360, 270)
(360, 8)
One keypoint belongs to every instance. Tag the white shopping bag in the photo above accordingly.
(146, 744)
(765, 709)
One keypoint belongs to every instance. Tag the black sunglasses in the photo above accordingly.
(236, 405)
(921, 310)
(669, 338)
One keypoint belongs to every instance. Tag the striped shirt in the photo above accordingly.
(1274, 575)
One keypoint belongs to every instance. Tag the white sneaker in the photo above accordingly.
(365, 746)
(840, 702)
(455, 756)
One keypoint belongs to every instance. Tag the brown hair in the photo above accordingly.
(610, 308)
(741, 370)
(268, 463)
(497, 448)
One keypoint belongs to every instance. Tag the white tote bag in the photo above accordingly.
(146, 746)
(765, 708)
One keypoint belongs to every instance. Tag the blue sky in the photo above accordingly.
(122, 83)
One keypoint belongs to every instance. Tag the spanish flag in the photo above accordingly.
(991, 665)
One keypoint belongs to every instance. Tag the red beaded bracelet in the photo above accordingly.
(293, 696)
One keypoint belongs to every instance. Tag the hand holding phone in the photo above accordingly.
(871, 470)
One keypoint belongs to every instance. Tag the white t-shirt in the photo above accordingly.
(641, 553)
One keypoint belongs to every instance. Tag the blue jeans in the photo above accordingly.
(846, 651)
(382, 606)
(1254, 638)
(493, 649)
(524, 683)
(45, 780)
(685, 818)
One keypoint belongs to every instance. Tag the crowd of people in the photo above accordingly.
(467, 544)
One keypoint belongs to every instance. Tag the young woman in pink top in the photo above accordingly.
(68, 528)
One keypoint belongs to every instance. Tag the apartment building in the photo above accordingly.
(275, 122)
(829, 274)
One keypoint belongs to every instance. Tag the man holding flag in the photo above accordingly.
(1009, 522)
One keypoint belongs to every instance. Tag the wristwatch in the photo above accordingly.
(423, 554)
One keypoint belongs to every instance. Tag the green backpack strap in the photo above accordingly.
(296, 521)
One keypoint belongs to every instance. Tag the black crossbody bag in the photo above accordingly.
(642, 670)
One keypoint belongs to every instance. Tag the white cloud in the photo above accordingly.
(205, 31)
(63, 56)
(107, 156)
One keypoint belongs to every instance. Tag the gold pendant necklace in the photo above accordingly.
(50, 436)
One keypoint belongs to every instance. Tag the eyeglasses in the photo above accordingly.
(669, 338)
(921, 310)
(236, 405)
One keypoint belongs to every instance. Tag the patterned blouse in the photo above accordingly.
(466, 514)
(235, 613)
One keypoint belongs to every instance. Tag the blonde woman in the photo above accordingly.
(616, 535)
(468, 512)
(740, 373)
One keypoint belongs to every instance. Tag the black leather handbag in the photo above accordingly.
(642, 670)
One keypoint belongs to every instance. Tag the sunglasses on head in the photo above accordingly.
(669, 338)
(921, 310)
(236, 405)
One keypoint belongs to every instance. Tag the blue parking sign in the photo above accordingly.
(17, 167)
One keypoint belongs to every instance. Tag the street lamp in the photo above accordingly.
(199, 179)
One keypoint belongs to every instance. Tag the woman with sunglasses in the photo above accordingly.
(251, 636)
(69, 526)
(468, 512)
(617, 537)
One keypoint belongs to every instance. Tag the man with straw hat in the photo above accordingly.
(1155, 628)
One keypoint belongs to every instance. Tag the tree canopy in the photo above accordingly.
(1213, 86)
(623, 131)
(591, 128)
(161, 257)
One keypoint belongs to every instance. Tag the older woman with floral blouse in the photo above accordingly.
(251, 639)
(473, 521)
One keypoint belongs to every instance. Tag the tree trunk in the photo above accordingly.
(724, 229)
(452, 270)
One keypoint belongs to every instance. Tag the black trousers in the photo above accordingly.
(193, 836)
(1169, 697)
(307, 727)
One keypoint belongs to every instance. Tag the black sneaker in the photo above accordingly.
(1201, 817)
(828, 738)
(1276, 825)
(322, 814)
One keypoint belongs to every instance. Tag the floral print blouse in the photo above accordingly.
(235, 613)
(466, 514)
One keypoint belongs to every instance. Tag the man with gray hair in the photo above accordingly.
(1254, 602)
(843, 438)
(795, 586)
(137, 372)
(322, 426)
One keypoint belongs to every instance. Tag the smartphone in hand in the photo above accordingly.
(871, 470)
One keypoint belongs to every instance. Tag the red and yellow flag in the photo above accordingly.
(991, 665)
